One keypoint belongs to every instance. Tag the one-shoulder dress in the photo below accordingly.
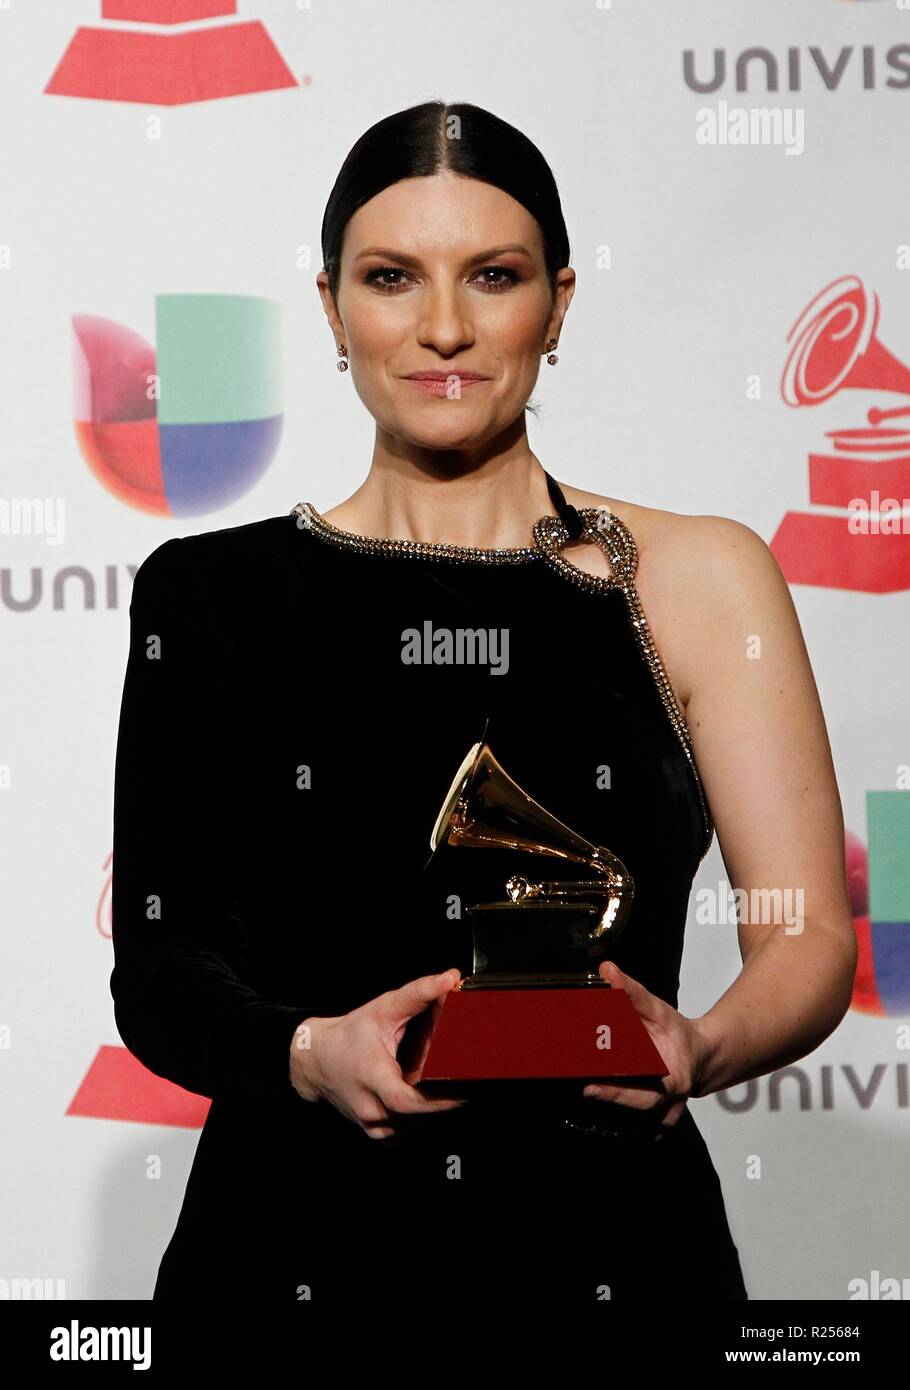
(297, 701)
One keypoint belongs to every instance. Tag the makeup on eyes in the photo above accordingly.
(511, 277)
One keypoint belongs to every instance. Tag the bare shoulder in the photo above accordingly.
(697, 575)
(674, 535)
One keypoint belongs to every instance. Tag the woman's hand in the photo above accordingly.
(677, 1039)
(351, 1060)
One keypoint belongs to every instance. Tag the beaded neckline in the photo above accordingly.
(438, 550)
(600, 525)
(550, 534)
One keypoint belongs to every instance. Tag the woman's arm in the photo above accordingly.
(759, 738)
(182, 1002)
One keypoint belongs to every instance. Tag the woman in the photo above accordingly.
(281, 762)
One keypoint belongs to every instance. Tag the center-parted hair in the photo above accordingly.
(427, 139)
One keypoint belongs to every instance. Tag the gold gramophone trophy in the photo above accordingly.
(534, 1005)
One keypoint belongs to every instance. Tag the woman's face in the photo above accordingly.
(444, 275)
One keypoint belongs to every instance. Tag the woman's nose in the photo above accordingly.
(445, 323)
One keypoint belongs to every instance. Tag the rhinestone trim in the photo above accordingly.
(603, 528)
(309, 518)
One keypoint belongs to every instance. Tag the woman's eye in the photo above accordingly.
(381, 278)
(510, 276)
(374, 276)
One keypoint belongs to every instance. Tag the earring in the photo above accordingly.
(551, 355)
(342, 352)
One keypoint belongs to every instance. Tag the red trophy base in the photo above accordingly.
(589, 1032)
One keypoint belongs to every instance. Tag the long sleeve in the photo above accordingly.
(182, 1001)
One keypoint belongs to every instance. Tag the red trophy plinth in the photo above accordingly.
(587, 1033)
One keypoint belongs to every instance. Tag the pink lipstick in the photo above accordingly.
(440, 383)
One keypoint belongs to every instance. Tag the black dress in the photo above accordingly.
(279, 770)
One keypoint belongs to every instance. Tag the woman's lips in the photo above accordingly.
(452, 384)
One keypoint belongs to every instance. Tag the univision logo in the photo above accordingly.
(879, 886)
(760, 67)
(191, 424)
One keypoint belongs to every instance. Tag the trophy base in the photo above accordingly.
(539, 1034)
(526, 944)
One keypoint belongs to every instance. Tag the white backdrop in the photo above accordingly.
(667, 394)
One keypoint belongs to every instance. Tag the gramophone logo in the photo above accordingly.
(191, 424)
(117, 1086)
(865, 471)
(209, 61)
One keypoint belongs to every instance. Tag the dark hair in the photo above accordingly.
(424, 139)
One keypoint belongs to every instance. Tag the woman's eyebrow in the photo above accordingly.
(405, 259)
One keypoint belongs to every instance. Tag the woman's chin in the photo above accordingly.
(449, 435)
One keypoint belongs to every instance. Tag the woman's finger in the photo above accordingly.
(384, 1132)
(397, 1095)
(636, 1098)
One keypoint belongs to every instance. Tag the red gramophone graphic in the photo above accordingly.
(161, 69)
(867, 475)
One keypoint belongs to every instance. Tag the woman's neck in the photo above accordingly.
(492, 505)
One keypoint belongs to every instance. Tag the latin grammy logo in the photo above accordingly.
(208, 61)
(866, 471)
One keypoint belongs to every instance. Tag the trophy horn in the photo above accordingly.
(485, 807)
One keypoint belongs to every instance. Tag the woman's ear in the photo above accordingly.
(562, 298)
(329, 306)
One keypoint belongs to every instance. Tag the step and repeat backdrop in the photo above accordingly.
(733, 179)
